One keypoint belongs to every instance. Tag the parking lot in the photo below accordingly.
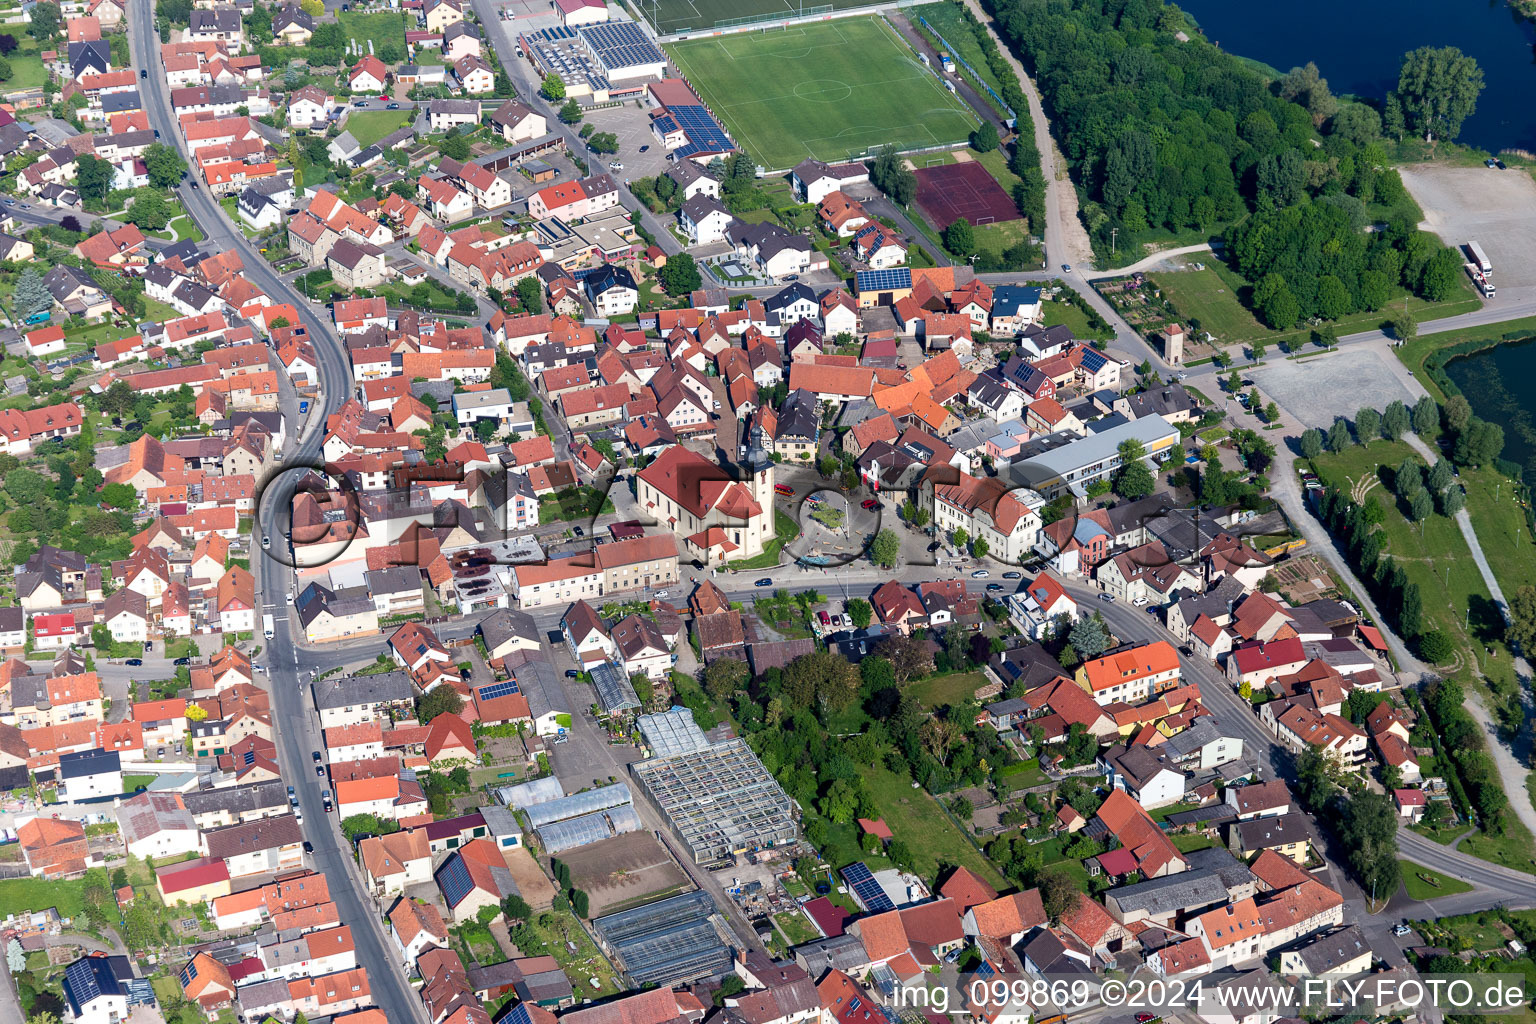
(1497, 209)
(1318, 390)
(632, 126)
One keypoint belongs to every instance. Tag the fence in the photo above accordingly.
(975, 75)
(772, 16)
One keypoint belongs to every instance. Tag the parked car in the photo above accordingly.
(320, 770)
(182, 661)
(143, 73)
(309, 847)
(1013, 575)
(315, 756)
(980, 574)
(391, 106)
(135, 662)
(149, 645)
(1107, 598)
(764, 582)
(645, 149)
(571, 673)
(823, 619)
(869, 503)
(992, 587)
(578, 531)
(661, 594)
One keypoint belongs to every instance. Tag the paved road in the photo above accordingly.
(299, 732)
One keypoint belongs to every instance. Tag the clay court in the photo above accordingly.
(624, 871)
(948, 192)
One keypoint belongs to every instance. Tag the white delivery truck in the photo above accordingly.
(1480, 258)
(267, 626)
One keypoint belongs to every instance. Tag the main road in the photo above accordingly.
(297, 727)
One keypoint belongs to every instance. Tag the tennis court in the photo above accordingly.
(829, 90)
(948, 192)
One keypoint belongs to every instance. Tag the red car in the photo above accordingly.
(870, 503)
(385, 97)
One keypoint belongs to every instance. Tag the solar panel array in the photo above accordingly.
(864, 886)
(621, 44)
(883, 280)
(453, 879)
(502, 689)
(81, 976)
(704, 133)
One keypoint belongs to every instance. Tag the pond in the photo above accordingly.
(1360, 50)
(1488, 380)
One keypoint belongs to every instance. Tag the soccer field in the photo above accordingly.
(669, 17)
(829, 90)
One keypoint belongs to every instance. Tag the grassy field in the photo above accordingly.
(829, 91)
(18, 894)
(795, 927)
(946, 689)
(673, 16)
(1065, 313)
(933, 839)
(1424, 884)
(1219, 299)
(369, 126)
(378, 28)
(1432, 553)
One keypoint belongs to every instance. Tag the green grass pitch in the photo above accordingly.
(829, 90)
(670, 17)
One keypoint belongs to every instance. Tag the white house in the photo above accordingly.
(1036, 606)
(612, 290)
(97, 989)
(704, 220)
(91, 773)
(257, 211)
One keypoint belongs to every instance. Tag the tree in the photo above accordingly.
(822, 679)
(515, 908)
(1272, 413)
(1089, 637)
(1058, 892)
(1395, 421)
(93, 177)
(1440, 476)
(1134, 477)
(164, 164)
(1441, 276)
(889, 173)
(680, 276)
(570, 113)
(908, 655)
(1368, 833)
(885, 548)
(1307, 86)
(529, 295)
(552, 87)
(1405, 327)
(454, 146)
(1311, 443)
(1458, 413)
(32, 297)
(1274, 302)
(45, 20)
(724, 676)
(1421, 505)
(1438, 89)
(1314, 778)
(440, 700)
(580, 902)
(1338, 435)
(980, 547)
(1333, 299)
(1435, 647)
(1426, 418)
(15, 957)
(860, 612)
(1521, 634)
(960, 238)
(1452, 500)
(1367, 424)
(150, 210)
(1479, 443)
(1411, 613)
(984, 138)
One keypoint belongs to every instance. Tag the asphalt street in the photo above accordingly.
(297, 731)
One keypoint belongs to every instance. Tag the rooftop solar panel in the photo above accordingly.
(494, 690)
(453, 879)
(864, 886)
(883, 280)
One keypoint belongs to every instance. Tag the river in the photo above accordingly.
(1485, 379)
(1359, 47)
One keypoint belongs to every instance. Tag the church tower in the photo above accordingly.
(759, 466)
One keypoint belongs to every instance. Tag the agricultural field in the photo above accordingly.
(831, 91)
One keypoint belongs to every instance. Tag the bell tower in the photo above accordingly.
(759, 466)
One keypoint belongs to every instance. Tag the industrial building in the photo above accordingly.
(667, 942)
(718, 797)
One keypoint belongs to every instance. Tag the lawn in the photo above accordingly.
(796, 928)
(1218, 296)
(1499, 522)
(832, 91)
(1424, 884)
(1432, 553)
(916, 819)
(1514, 849)
(19, 894)
(1074, 319)
(1192, 841)
(131, 783)
(785, 530)
(26, 72)
(375, 28)
(369, 126)
(952, 688)
(673, 16)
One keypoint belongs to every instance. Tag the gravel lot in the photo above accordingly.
(1497, 209)
(1320, 389)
